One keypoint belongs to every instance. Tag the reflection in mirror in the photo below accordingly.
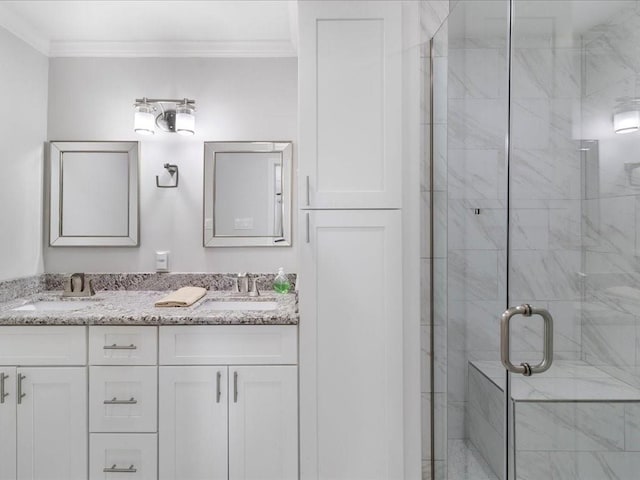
(94, 194)
(247, 194)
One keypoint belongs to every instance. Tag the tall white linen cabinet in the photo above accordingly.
(349, 177)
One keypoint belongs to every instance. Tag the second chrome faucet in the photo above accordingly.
(243, 281)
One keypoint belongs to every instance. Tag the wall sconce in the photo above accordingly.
(626, 117)
(177, 116)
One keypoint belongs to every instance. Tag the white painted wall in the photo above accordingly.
(237, 99)
(23, 96)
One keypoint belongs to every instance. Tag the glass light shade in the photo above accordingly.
(144, 120)
(626, 121)
(185, 120)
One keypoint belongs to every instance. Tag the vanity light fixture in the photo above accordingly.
(626, 116)
(169, 115)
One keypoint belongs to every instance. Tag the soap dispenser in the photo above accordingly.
(281, 282)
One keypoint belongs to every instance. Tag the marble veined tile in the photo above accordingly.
(577, 465)
(632, 427)
(468, 230)
(603, 389)
(570, 426)
(473, 275)
(609, 344)
(477, 123)
(475, 174)
(544, 274)
(467, 463)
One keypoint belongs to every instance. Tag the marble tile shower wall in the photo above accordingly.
(611, 211)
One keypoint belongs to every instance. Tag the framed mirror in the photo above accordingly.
(93, 194)
(247, 194)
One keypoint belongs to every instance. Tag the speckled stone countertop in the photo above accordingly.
(137, 308)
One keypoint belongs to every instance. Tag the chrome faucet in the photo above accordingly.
(77, 286)
(254, 292)
(242, 282)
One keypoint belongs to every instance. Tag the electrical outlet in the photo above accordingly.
(162, 261)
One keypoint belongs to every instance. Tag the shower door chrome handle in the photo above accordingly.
(505, 337)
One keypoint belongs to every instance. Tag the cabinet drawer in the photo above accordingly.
(228, 345)
(41, 345)
(123, 399)
(123, 345)
(131, 456)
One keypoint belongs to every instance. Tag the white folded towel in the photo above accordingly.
(183, 297)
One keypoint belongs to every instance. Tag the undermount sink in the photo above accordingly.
(238, 305)
(53, 306)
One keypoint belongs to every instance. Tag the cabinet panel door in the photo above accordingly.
(263, 423)
(351, 346)
(350, 97)
(8, 423)
(52, 424)
(193, 423)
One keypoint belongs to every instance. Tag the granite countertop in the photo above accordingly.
(137, 308)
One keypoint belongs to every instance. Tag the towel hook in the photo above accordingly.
(173, 171)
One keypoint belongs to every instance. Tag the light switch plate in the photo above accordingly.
(162, 261)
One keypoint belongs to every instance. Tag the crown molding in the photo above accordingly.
(21, 29)
(224, 49)
(246, 49)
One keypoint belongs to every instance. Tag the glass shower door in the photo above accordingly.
(536, 202)
(572, 239)
(469, 199)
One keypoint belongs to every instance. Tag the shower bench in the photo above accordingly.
(576, 421)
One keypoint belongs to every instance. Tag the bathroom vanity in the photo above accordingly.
(112, 387)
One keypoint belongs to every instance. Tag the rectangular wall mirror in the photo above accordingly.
(247, 194)
(93, 194)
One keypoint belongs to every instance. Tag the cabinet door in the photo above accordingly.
(351, 346)
(263, 423)
(52, 423)
(7, 423)
(349, 66)
(193, 423)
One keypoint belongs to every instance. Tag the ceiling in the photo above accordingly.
(150, 28)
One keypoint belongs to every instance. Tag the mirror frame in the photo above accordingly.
(56, 239)
(285, 148)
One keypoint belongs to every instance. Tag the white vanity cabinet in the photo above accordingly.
(43, 406)
(228, 403)
(214, 402)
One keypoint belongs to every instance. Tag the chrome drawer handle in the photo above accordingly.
(120, 347)
(114, 469)
(21, 395)
(3, 395)
(235, 387)
(115, 401)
